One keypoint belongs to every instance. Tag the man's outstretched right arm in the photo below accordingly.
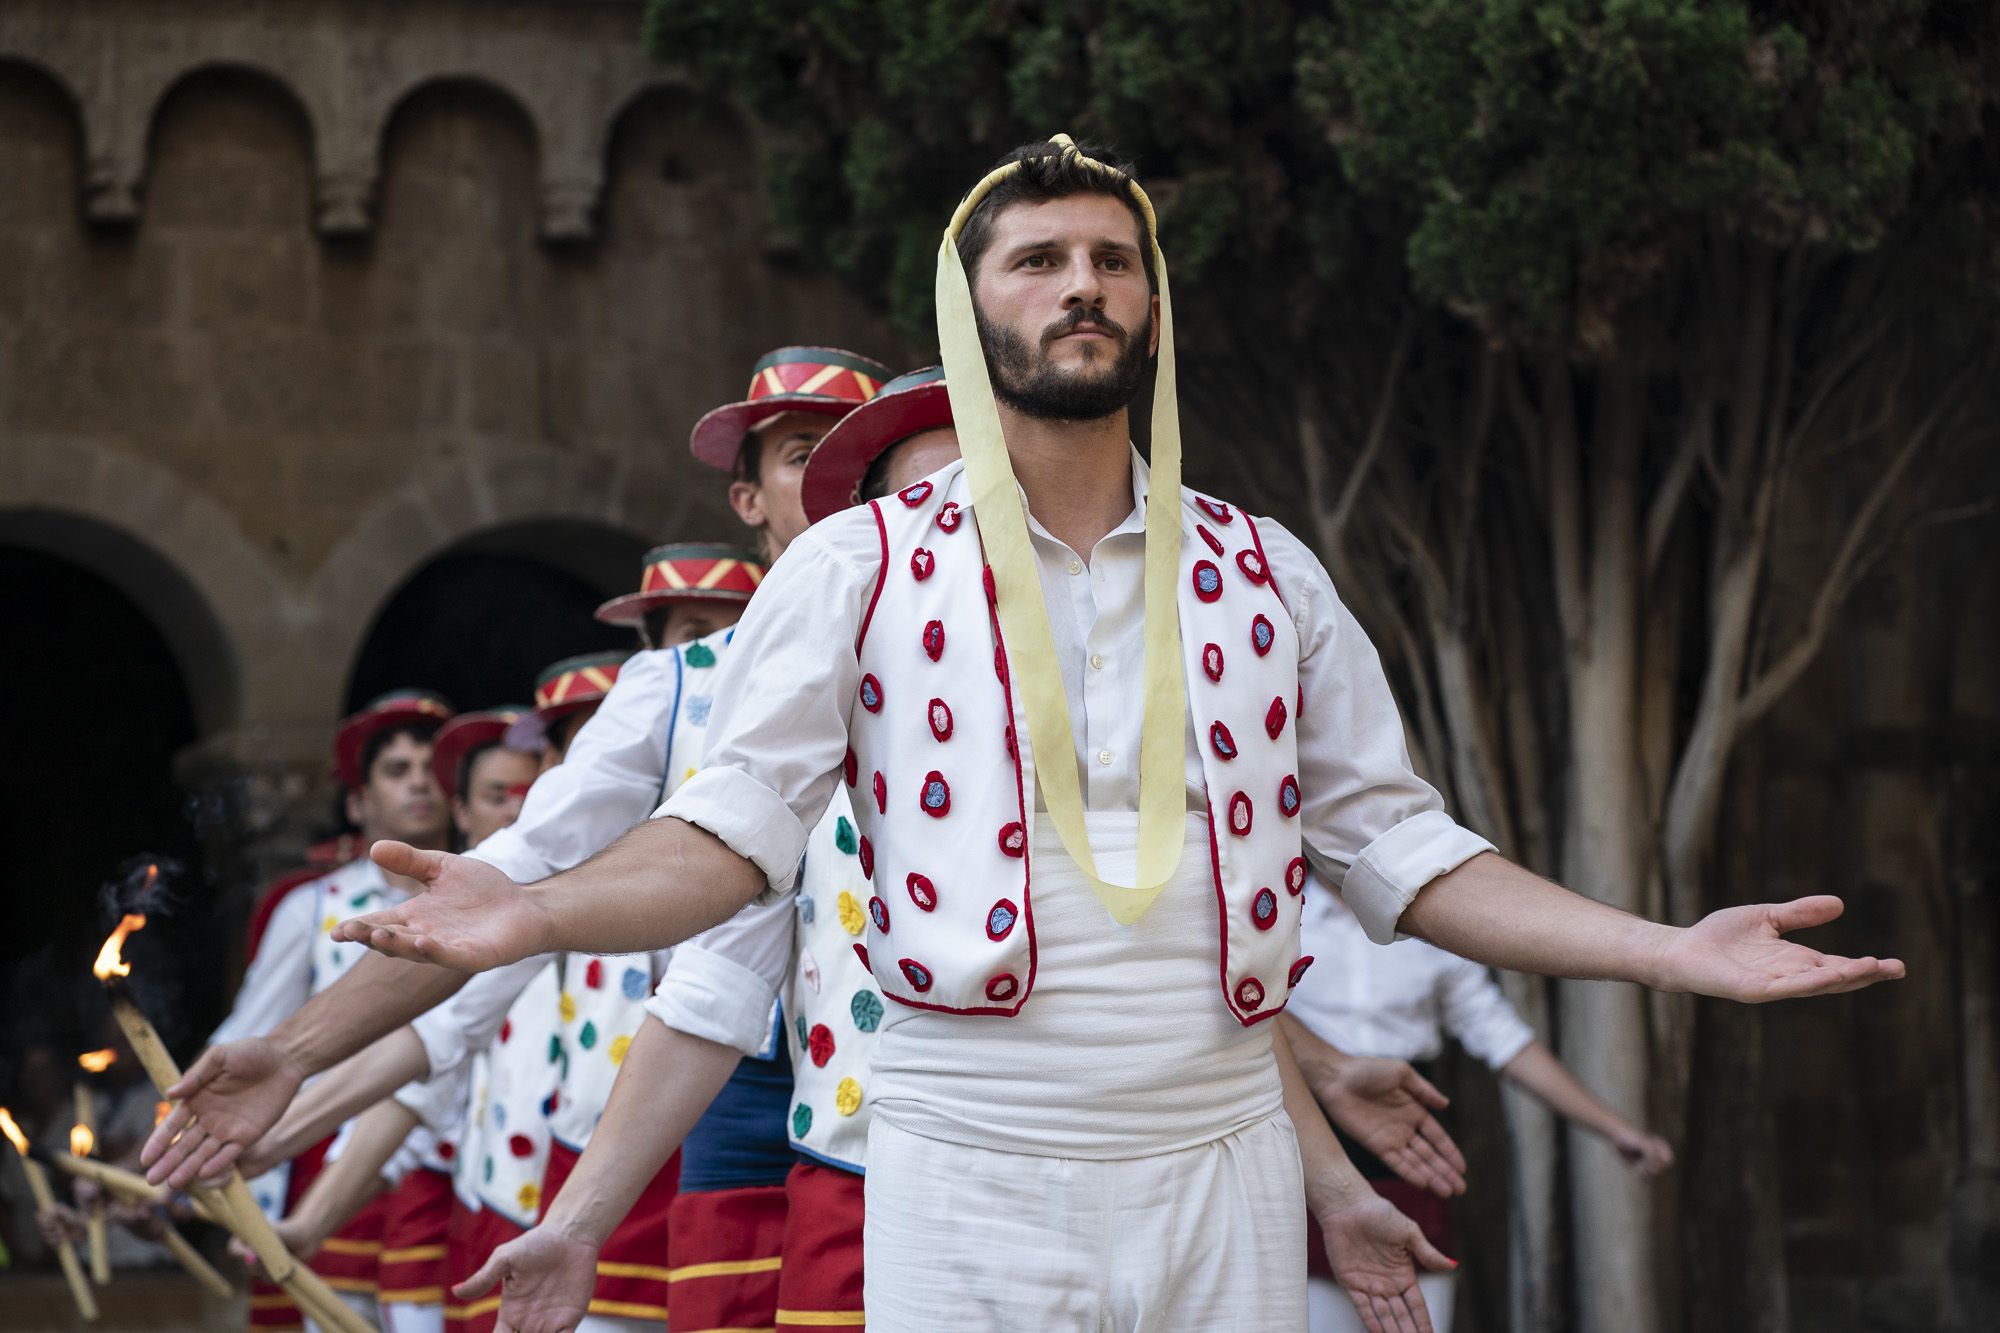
(656, 886)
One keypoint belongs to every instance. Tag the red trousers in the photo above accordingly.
(820, 1283)
(412, 1268)
(728, 1246)
(632, 1268)
(347, 1260)
(471, 1238)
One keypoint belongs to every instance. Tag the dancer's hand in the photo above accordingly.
(60, 1225)
(1386, 1106)
(1647, 1154)
(1376, 1253)
(546, 1279)
(1738, 953)
(223, 1104)
(470, 917)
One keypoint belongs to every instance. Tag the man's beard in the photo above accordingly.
(1035, 387)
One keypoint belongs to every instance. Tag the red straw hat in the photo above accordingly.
(907, 405)
(466, 732)
(687, 572)
(792, 379)
(394, 709)
(575, 683)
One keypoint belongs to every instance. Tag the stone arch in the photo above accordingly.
(481, 618)
(136, 526)
(32, 91)
(231, 78)
(457, 505)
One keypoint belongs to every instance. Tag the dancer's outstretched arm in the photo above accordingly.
(1495, 912)
(659, 884)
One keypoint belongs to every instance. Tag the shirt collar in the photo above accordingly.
(1142, 480)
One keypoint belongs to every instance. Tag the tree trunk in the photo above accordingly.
(1607, 854)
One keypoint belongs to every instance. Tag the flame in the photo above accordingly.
(13, 1132)
(109, 964)
(160, 1111)
(97, 1062)
(81, 1140)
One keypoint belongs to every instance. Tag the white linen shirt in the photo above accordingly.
(279, 979)
(778, 731)
(1399, 1002)
(610, 780)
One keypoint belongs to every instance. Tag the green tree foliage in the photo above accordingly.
(1539, 162)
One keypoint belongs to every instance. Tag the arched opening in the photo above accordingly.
(98, 707)
(480, 619)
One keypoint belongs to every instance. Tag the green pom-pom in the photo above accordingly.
(588, 1037)
(843, 836)
(802, 1120)
(699, 655)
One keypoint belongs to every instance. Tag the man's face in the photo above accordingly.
(1065, 316)
(495, 786)
(771, 503)
(400, 799)
(915, 457)
(688, 621)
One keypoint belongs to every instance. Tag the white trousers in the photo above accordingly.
(412, 1317)
(362, 1303)
(1329, 1311)
(977, 1241)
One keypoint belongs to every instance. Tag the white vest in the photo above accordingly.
(603, 1000)
(834, 1003)
(357, 888)
(521, 1069)
(943, 779)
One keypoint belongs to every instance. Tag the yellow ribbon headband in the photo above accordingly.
(997, 508)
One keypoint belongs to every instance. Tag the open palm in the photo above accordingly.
(545, 1278)
(1739, 953)
(1375, 1252)
(1386, 1106)
(470, 916)
(224, 1103)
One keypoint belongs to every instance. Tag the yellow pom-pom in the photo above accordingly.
(619, 1045)
(330, 922)
(568, 1005)
(847, 1097)
(530, 1197)
(852, 920)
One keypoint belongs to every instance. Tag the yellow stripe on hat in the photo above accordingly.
(597, 677)
(824, 375)
(868, 386)
(717, 572)
(670, 575)
(771, 380)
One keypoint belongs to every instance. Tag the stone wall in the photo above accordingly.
(294, 298)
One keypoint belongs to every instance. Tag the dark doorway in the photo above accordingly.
(478, 622)
(95, 708)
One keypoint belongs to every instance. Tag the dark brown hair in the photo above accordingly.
(1048, 171)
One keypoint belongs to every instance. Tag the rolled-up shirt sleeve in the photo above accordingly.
(610, 780)
(721, 984)
(1372, 827)
(778, 728)
(466, 1024)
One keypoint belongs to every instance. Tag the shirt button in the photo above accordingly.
(1104, 756)
(1076, 566)
(1097, 660)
